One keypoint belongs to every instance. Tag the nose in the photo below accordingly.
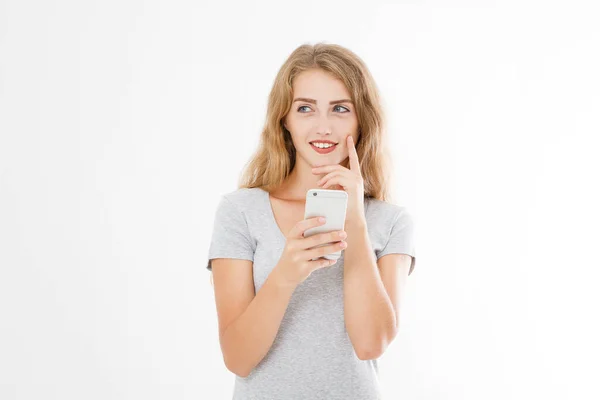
(323, 125)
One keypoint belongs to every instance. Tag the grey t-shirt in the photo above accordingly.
(312, 356)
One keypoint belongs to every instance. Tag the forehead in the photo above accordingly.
(320, 85)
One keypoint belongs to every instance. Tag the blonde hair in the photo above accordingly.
(275, 157)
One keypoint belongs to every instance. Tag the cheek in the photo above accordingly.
(350, 126)
(296, 125)
(300, 131)
(299, 138)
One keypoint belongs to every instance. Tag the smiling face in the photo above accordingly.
(321, 111)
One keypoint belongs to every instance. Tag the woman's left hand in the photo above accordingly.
(350, 180)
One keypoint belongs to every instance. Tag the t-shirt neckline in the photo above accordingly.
(272, 215)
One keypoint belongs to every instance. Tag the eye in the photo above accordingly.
(343, 108)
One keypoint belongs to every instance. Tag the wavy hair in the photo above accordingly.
(275, 157)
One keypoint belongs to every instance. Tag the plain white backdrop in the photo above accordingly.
(122, 123)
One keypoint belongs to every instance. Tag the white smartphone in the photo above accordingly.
(330, 204)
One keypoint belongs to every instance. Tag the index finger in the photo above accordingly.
(353, 155)
(299, 229)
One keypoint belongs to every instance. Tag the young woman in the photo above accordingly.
(292, 328)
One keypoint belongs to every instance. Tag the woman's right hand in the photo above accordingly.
(295, 263)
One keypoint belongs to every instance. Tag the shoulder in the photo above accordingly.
(242, 198)
(379, 210)
(385, 217)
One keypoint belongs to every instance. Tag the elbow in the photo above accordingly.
(370, 353)
(243, 374)
(235, 368)
(375, 349)
(232, 360)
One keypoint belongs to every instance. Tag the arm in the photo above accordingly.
(369, 311)
(248, 323)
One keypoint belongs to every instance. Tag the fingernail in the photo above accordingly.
(321, 219)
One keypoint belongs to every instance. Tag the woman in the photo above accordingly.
(289, 327)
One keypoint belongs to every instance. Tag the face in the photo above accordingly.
(321, 116)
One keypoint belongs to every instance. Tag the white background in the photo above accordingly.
(122, 123)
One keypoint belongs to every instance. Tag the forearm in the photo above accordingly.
(368, 311)
(249, 337)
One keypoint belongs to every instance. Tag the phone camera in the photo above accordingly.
(314, 193)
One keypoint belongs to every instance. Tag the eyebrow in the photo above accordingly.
(315, 102)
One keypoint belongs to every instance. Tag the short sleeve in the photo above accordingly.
(402, 238)
(230, 234)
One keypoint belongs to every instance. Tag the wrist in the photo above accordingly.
(358, 222)
(280, 281)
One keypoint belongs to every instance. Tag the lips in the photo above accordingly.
(323, 151)
(323, 141)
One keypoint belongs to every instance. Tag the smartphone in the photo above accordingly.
(330, 204)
